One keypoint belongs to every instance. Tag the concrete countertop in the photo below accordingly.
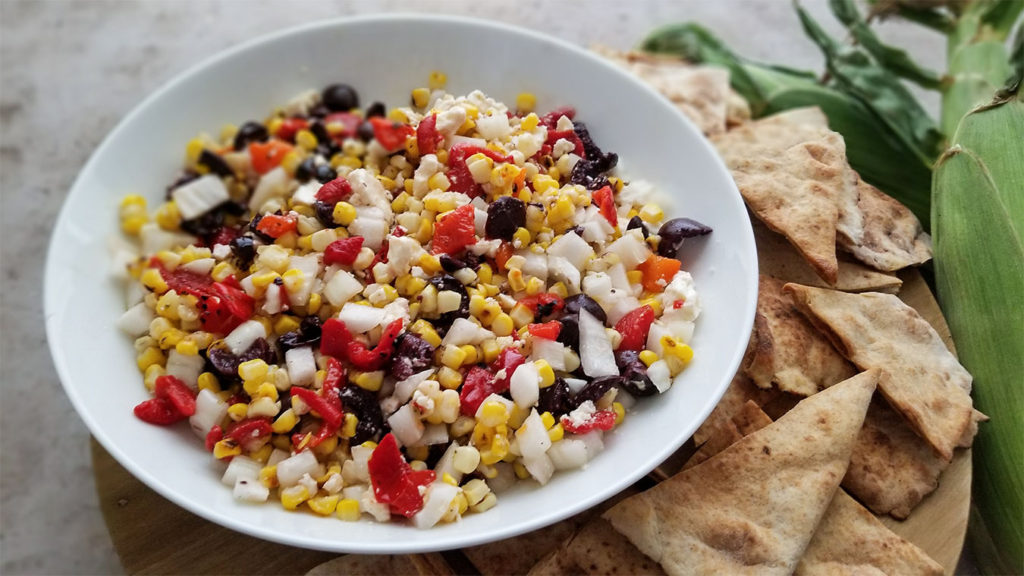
(69, 71)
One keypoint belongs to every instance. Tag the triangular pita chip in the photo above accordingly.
(748, 420)
(887, 236)
(516, 555)
(740, 390)
(599, 550)
(369, 565)
(777, 257)
(851, 541)
(786, 350)
(753, 507)
(554, 563)
(926, 383)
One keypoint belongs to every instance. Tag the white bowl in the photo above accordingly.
(383, 58)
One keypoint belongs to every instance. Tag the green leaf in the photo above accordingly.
(932, 18)
(893, 59)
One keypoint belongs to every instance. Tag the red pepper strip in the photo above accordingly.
(427, 137)
(600, 420)
(249, 429)
(158, 411)
(477, 385)
(177, 393)
(334, 380)
(364, 358)
(604, 200)
(343, 251)
(551, 118)
(334, 338)
(311, 440)
(334, 191)
(454, 232)
(224, 307)
(213, 436)
(634, 328)
(547, 330)
(461, 180)
(289, 127)
(556, 135)
(390, 134)
(393, 482)
(328, 412)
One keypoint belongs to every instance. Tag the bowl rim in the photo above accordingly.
(415, 545)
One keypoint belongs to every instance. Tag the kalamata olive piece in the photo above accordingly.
(504, 216)
(364, 405)
(555, 398)
(307, 334)
(250, 132)
(324, 173)
(215, 163)
(636, 222)
(412, 354)
(226, 363)
(635, 380)
(676, 230)
(595, 389)
(569, 335)
(340, 97)
(448, 282)
(624, 358)
(376, 109)
(320, 131)
(365, 131)
(325, 213)
(573, 304)
(244, 249)
(305, 170)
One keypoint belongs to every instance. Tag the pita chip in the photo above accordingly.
(925, 382)
(851, 541)
(748, 420)
(886, 235)
(753, 507)
(370, 565)
(517, 555)
(786, 350)
(554, 563)
(740, 390)
(599, 550)
(776, 257)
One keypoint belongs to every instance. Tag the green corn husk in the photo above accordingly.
(978, 219)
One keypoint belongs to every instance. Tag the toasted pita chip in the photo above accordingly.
(740, 390)
(748, 420)
(598, 550)
(368, 565)
(850, 540)
(517, 555)
(777, 257)
(786, 350)
(753, 507)
(926, 383)
(554, 563)
(699, 92)
(887, 236)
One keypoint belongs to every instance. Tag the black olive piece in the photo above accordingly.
(636, 222)
(595, 389)
(215, 163)
(226, 363)
(324, 173)
(624, 358)
(573, 304)
(675, 231)
(340, 98)
(320, 131)
(365, 131)
(569, 335)
(504, 216)
(366, 408)
(451, 264)
(555, 398)
(305, 170)
(308, 334)
(635, 380)
(250, 132)
(319, 111)
(325, 213)
(448, 282)
(376, 109)
(244, 249)
(412, 354)
(206, 225)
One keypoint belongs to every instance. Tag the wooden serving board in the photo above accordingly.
(154, 536)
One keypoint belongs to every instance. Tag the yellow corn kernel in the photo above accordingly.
(534, 286)
(486, 504)
(293, 496)
(525, 102)
(635, 276)
(420, 97)
(306, 139)
(225, 449)
(323, 505)
(386, 182)
(153, 280)
(133, 200)
(286, 324)
(559, 289)
(417, 452)
(425, 330)
(562, 209)
(369, 380)
(522, 237)
(449, 479)
(222, 270)
(547, 419)
(253, 370)
(531, 120)
(437, 80)
(449, 378)
(266, 390)
(327, 446)
(440, 182)
(313, 305)
(347, 509)
(149, 357)
(493, 414)
(556, 432)
(430, 263)
(651, 213)
(187, 348)
(475, 490)
(648, 357)
(547, 374)
(463, 425)
(152, 373)
(396, 115)
(265, 279)
(542, 184)
(263, 454)
(400, 203)
(521, 472)
(208, 381)
(167, 216)
(472, 355)
(344, 213)
(654, 303)
(268, 474)
(497, 452)
(521, 315)
(238, 411)
(348, 427)
(133, 224)
(515, 280)
(620, 412)
(502, 325)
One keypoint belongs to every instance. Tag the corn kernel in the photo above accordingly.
(515, 280)
(521, 315)
(313, 305)
(676, 354)
(238, 411)
(559, 289)
(348, 427)
(187, 348)
(503, 324)
(286, 324)
(493, 414)
(562, 209)
(556, 432)
(654, 303)
(425, 330)
(648, 357)
(347, 509)
(152, 373)
(133, 200)
(620, 412)
(486, 504)
(534, 286)
(437, 80)
(323, 505)
(449, 378)
(547, 374)
(526, 101)
(417, 452)
(475, 491)
(253, 370)
(547, 419)
(268, 474)
(293, 496)
(153, 280)
(151, 356)
(222, 270)
(530, 121)
(420, 97)
(651, 213)
(521, 472)
(167, 216)
(225, 449)
(262, 455)
(472, 356)
(369, 380)
(344, 213)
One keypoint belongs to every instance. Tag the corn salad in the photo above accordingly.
(401, 312)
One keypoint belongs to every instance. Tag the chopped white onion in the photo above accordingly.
(524, 385)
(135, 321)
(533, 437)
(290, 470)
(540, 467)
(301, 366)
(596, 355)
(210, 410)
(405, 423)
(241, 467)
(242, 337)
(568, 454)
(436, 501)
(360, 318)
(185, 368)
(341, 287)
(199, 196)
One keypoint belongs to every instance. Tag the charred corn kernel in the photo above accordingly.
(525, 102)
(648, 357)
(152, 279)
(187, 348)
(369, 380)
(635, 276)
(654, 303)
(344, 213)
(493, 414)
(556, 432)
(420, 97)
(348, 426)
(268, 474)
(293, 496)
(491, 349)
(417, 452)
(620, 412)
(323, 505)
(286, 324)
(489, 501)
(505, 175)
(515, 280)
(313, 305)
(238, 411)
(396, 115)
(267, 390)
(253, 370)
(521, 472)
(472, 355)
(449, 378)
(475, 491)
(285, 422)
(547, 374)
(521, 315)
(547, 419)
(437, 80)
(673, 348)
(225, 449)
(150, 357)
(651, 213)
(222, 270)
(152, 373)
(347, 509)
(562, 209)
(534, 286)
(425, 330)
(503, 324)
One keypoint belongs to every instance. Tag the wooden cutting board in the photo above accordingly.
(154, 536)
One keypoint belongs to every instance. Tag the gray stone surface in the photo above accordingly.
(70, 70)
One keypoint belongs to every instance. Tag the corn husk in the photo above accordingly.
(978, 218)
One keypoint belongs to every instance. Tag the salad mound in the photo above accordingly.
(403, 312)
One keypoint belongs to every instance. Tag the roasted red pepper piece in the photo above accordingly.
(224, 307)
(393, 480)
(476, 385)
(290, 127)
(454, 232)
(427, 137)
(249, 429)
(390, 134)
(266, 156)
(277, 225)
(184, 282)
(461, 180)
(312, 440)
(329, 412)
(606, 203)
(334, 338)
(600, 420)
(555, 135)
(343, 251)
(224, 235)
(544, 304)
(551, 118)
(348, 123)
(177, 393)
(158, 411)
(508, 360)
(634, 328)
(547, 330)
(365, 358)
(334, 380)
(213, 436)
(334, 191)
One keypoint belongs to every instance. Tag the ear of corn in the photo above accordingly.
(978, 216)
